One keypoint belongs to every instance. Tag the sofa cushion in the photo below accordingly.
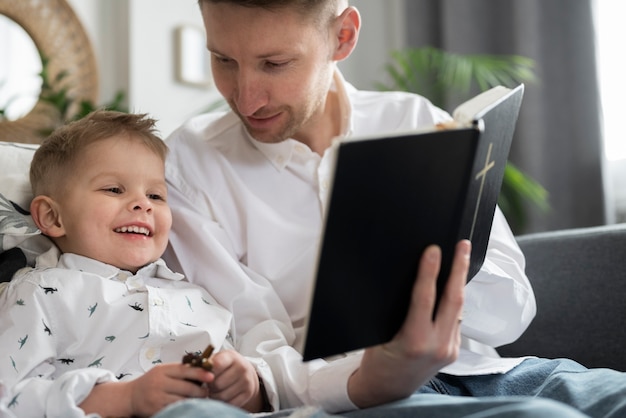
(15, 225)
(578, 276)
(14, 178)
(21, 242)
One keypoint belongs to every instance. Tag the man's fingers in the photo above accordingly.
(425, 290)
(451, 305)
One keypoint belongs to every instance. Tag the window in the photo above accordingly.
(611, 32)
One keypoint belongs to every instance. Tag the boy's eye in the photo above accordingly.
(155, 197)
(115, 190)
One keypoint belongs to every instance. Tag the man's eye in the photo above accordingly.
(221, 60)
(276, 65)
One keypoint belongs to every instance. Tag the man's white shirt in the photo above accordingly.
(248, 218)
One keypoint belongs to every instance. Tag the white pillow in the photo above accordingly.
(14, 172)
(17, 229)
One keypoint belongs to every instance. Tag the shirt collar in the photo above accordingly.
(342, 87)
(280, 154)
(157, 269)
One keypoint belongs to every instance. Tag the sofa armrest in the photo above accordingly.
(579, 280)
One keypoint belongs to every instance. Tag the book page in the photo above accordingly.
(465, 112)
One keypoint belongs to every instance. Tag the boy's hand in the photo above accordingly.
(165, 384)
(236, 381)
(148, 394)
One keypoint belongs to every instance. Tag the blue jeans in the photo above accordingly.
(424, 405)
(532, 389)
(595, 392)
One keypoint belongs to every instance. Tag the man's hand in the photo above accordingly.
(422, 346)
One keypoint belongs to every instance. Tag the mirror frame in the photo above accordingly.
(59, 35)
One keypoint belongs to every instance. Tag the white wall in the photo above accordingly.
(134, 43)
(383, 30)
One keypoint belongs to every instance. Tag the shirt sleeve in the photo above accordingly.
(37, 397)
(27, 366)
(262, 328)
(499, 300)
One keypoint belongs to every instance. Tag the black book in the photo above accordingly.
(391, 197)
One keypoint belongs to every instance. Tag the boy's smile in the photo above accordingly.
(116, 209)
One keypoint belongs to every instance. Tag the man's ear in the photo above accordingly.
(347, 26)
(45, 213)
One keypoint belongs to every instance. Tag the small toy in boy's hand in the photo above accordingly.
(203, 360)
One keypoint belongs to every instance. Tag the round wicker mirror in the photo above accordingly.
(71, 65)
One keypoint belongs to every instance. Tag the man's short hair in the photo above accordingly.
(320, 10)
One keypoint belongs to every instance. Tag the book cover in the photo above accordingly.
(392, 196)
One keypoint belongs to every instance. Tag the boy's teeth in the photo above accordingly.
(134, 229)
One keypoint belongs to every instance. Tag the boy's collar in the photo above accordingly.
(157, 269)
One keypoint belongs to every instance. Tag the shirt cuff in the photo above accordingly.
(71, 389)
(329, 384)
(269, 384)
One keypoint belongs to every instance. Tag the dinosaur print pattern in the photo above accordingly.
(137, 306)
(46, 329)
(96, 363)
(22, 341)
(91, 324)
(49, 289)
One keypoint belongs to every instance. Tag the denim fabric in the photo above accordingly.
(207, 408)
(596, 392)
(193, 408)
(424, 405)
(438, 406)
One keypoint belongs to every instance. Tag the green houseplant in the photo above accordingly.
(444, 77)
(55, 92)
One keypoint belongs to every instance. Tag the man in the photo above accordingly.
(248, 194)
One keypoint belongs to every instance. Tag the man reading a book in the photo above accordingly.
(248, 191)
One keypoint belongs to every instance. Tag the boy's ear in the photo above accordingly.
(45, 213)
(347, 27)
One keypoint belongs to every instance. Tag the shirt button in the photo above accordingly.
(122, 276)
(280, 159)
(300, 148)
(324, 184)
(158, 302)
(150, 353)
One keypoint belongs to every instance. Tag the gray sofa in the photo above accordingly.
(579, 279)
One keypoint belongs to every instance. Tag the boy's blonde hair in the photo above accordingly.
(55, 158)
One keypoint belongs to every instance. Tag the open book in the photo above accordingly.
(394, 195)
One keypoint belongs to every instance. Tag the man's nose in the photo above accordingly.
(251, 94)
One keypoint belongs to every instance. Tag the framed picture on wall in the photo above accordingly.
(193, 66)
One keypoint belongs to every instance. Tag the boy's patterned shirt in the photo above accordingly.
(84, 315)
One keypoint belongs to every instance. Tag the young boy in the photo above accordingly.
(101, 324)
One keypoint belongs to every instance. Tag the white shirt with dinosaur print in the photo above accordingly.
(64, 329)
